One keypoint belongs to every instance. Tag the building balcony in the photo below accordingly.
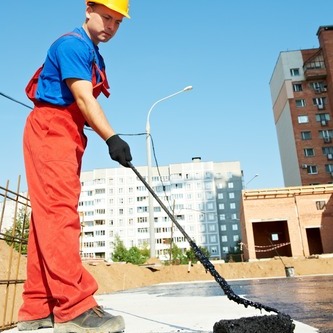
(315, 73)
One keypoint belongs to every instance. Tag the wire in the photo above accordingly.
(124, 134)
(15, 100)
(156, 163)
(159, 172)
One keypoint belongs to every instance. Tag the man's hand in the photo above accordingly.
(119, 150)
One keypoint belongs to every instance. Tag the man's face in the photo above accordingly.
(102, 23)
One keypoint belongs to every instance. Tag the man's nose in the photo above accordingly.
(112, 25)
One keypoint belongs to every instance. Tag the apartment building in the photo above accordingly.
(301, 88)
(204, 197)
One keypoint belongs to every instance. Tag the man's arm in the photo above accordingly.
(95, 117)
(92, 112)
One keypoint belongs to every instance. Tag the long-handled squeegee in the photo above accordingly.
(277, 323)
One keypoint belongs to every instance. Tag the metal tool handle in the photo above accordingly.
(202, 258)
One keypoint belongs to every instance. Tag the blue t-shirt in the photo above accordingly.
(70, 56)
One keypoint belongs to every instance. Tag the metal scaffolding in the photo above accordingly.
(14, 224)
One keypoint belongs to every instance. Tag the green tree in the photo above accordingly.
(120, 251)
(17, 234)
(191, 255)
(134, 255)
(177, 255)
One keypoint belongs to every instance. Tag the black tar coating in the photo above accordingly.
(258, 324)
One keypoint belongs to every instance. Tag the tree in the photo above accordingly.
(17, 235)
(191, 255)
(134, 255)
(177, 255)
(120, 251)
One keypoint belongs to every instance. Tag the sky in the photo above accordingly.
(226, 50)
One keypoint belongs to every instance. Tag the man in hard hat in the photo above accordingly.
(59, 291)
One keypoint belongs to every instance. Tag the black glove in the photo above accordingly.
(119, 150)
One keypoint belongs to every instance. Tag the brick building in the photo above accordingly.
(301, 89)
(297, 220)
(291, 221)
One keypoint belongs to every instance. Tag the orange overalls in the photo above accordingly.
(54, 144)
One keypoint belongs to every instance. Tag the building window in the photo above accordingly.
(221, 206)
(223, 227)
(309, 152)
(319, 101)
(225, 249)
(297, 87)
(323, 117)
(211, 227)
(300, 103)
(231, 195)
(306, 135)
(213, 250)
(209, 195)
(236, 238)
(329, 168)
(220, 196)
(327, 134)
(318, 87)
(327, 150)
(232, 205)
(222, 217)
(230, 185)
(208, 175)
(235, 227)
(303, 119)
(210, 206)
(294, 71)
(224, 239)
(320, 204)
(212, 239)
(316, 62)
(312, 169)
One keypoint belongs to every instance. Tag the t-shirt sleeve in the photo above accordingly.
(75, 59)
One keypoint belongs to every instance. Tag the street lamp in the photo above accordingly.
(255, 176)
(148, 146)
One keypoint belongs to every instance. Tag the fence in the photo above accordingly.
(15, 209)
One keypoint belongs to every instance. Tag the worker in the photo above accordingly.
(59, 291)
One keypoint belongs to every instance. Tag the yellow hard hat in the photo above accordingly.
(119, 6)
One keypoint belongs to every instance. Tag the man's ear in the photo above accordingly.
(88, 12)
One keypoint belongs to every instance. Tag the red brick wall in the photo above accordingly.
(300, 212)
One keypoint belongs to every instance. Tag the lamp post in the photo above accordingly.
(255, 176)
(148, 147)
